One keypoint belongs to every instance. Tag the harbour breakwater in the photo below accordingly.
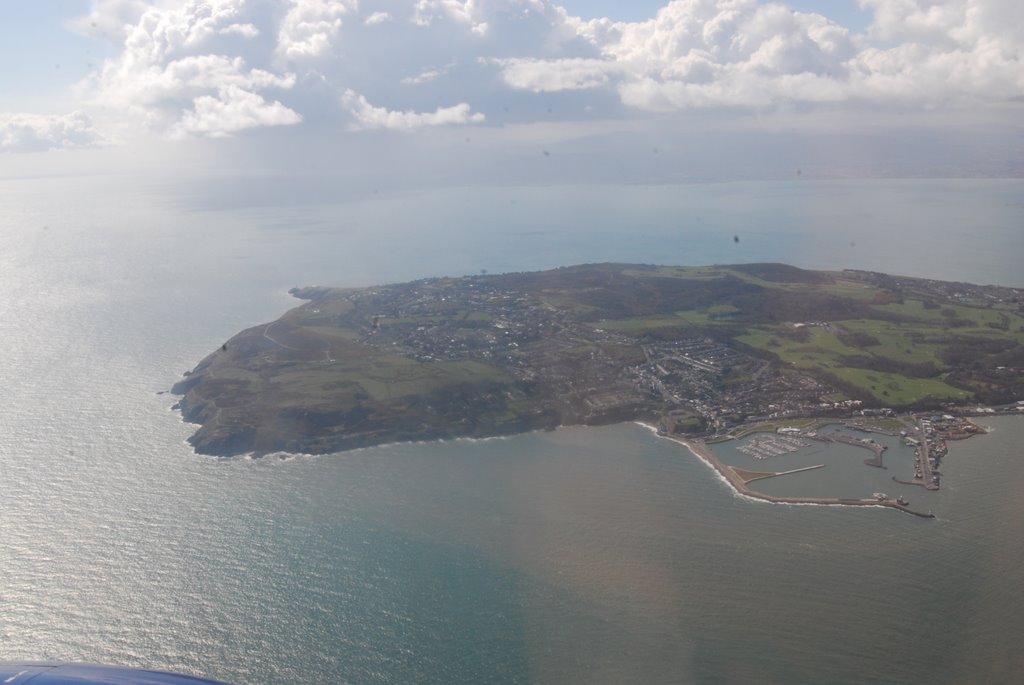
(700, 450)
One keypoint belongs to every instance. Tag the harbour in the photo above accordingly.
(772, 446)
(700, 449)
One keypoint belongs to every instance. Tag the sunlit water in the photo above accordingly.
(579, 556)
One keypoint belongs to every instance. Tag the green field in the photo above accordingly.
(900, 342)
(382, 377)
(979, 317)
(897, 390)
(825, 352)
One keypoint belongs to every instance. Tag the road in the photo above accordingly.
(926, 465)
(266, 334)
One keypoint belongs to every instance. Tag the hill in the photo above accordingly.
(701, 348)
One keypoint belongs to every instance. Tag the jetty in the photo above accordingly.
(925, 473)
(877, 448)
(751, 476)
(704, 453)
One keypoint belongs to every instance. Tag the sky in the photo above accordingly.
(401, 88)
(844, 12)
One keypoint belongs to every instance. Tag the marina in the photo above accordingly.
(731, 475)
(825, 457)
(908, 447)
(765, 447)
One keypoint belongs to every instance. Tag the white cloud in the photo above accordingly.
(310, 27)
(429, 11)
(542, 76)
(244, 30)
(705, 53)
(369, 117)
(183, 79)
(162, 33)
(744, 53)
(176, 73)
(233, 109)
(36, 132)
(377, 18)
(501, 28)
(428, 75)
(183, 63)
(946, 51)
(422, 77)
(947, 23)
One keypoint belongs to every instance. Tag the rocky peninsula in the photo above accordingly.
(697, 350)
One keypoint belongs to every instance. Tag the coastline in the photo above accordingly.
(700, 450)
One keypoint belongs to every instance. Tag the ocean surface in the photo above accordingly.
(584, 555)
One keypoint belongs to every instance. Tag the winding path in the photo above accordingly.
(266, 334)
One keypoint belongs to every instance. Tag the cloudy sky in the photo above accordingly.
(465, 90)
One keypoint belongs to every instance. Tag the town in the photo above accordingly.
(702, 386)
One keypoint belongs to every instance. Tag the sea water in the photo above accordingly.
(584, 555)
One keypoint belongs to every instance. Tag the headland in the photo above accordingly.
(701, 352)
